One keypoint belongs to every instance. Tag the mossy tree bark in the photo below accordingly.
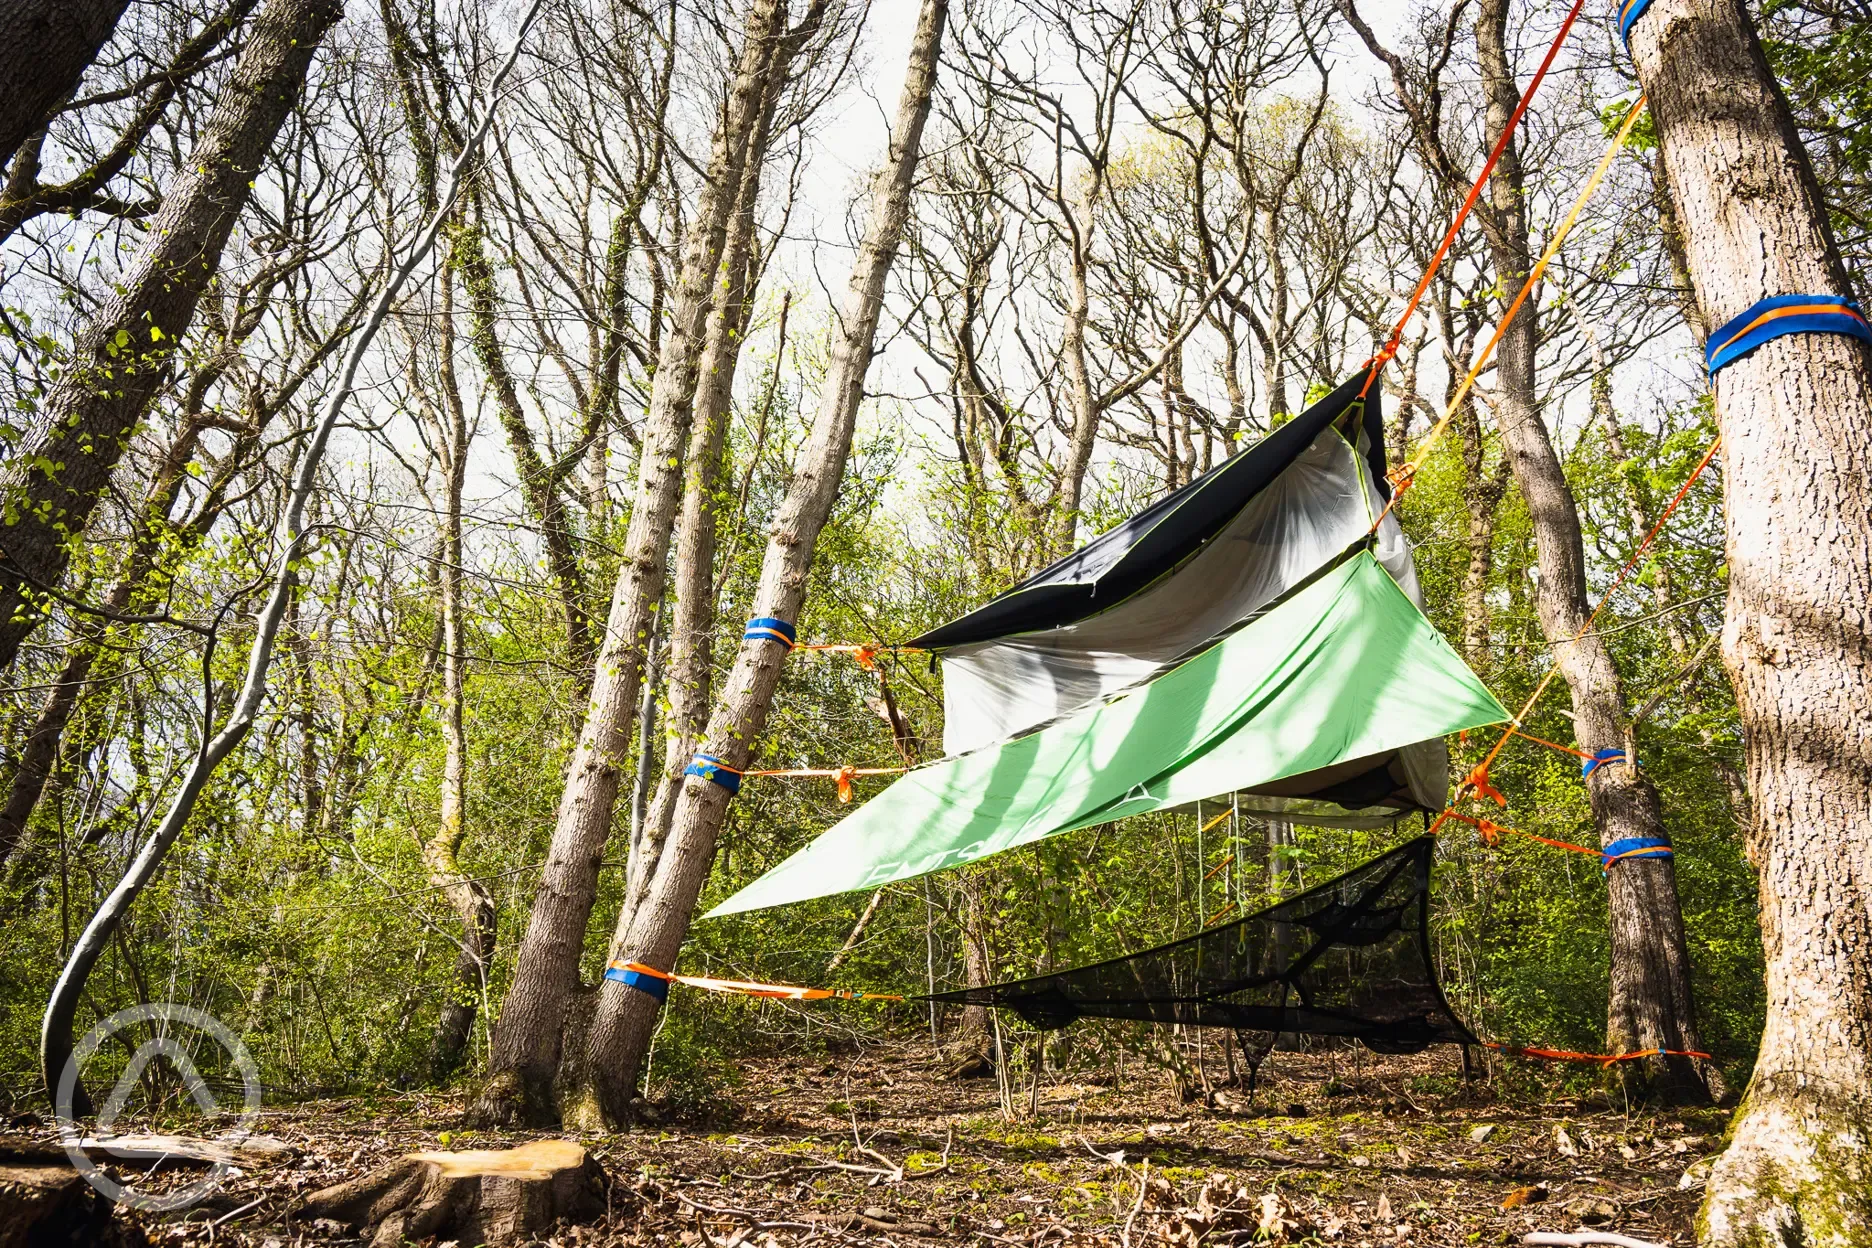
(1797, 430)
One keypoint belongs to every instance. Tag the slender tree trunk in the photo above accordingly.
(692, 624)
(45, 48)
(1651, 1005)
(1085, 405)
(625, 1016)
(62, 467)
(976, 1026)
(1797, 430)
(857, 932)
(1641, 510)
(1482, 490)
(539, 482)
(525, 1052)
(40, 753)
(469, 897)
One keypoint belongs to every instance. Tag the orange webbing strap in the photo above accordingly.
(1475, 191)
(844, 775)
(711, 768)
(865, 654)
(1492, 833)
(1602, 1059)
(1228, 856)
(1401, 475)
(1479, 777)
(746, 988)
(1553, 745)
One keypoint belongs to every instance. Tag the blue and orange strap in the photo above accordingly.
(1780, 315)
(770, 628)
(1629, 13)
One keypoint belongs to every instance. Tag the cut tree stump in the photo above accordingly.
(44, 1203)
(495, 1196)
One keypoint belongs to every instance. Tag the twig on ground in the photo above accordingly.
(1582, 1239)
(235, 1213)
(1143, 1185)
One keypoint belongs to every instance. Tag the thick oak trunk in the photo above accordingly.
(62, 467)
(526, 1037)
(1650, 1005)
(45, 47)
(626, 1017)
(1797, 431)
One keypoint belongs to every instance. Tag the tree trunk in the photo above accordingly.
(1797, 429)
(976, 1024)
(626, 1017)
(692, 624)
(539, 482)
(1651, 1005)
(1641, 508)
(469, 897)
(1085, 406)
(45, 48)
(1482, 491)
(64, 464)
(526, 1038)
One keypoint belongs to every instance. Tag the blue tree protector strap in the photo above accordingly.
(770, 628)
(1600, 758)
(709, 767)
(649, 985)
(1635, 847)
(1784, 314)
(1629, 13)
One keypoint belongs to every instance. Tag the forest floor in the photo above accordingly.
(884, 1145)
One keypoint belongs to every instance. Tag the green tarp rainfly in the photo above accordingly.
(1343, 670)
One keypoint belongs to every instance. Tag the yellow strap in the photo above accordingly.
(1405, 471)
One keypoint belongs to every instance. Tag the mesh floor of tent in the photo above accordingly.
(1350, 958)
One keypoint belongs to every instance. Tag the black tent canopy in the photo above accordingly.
(1131, 555)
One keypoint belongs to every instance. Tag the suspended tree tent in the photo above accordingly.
(1164, 584)
(1248, 634)
(1343, 671)
(1350, 957)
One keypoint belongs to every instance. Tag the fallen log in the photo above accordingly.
(249, 1151)
(493, 1196)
